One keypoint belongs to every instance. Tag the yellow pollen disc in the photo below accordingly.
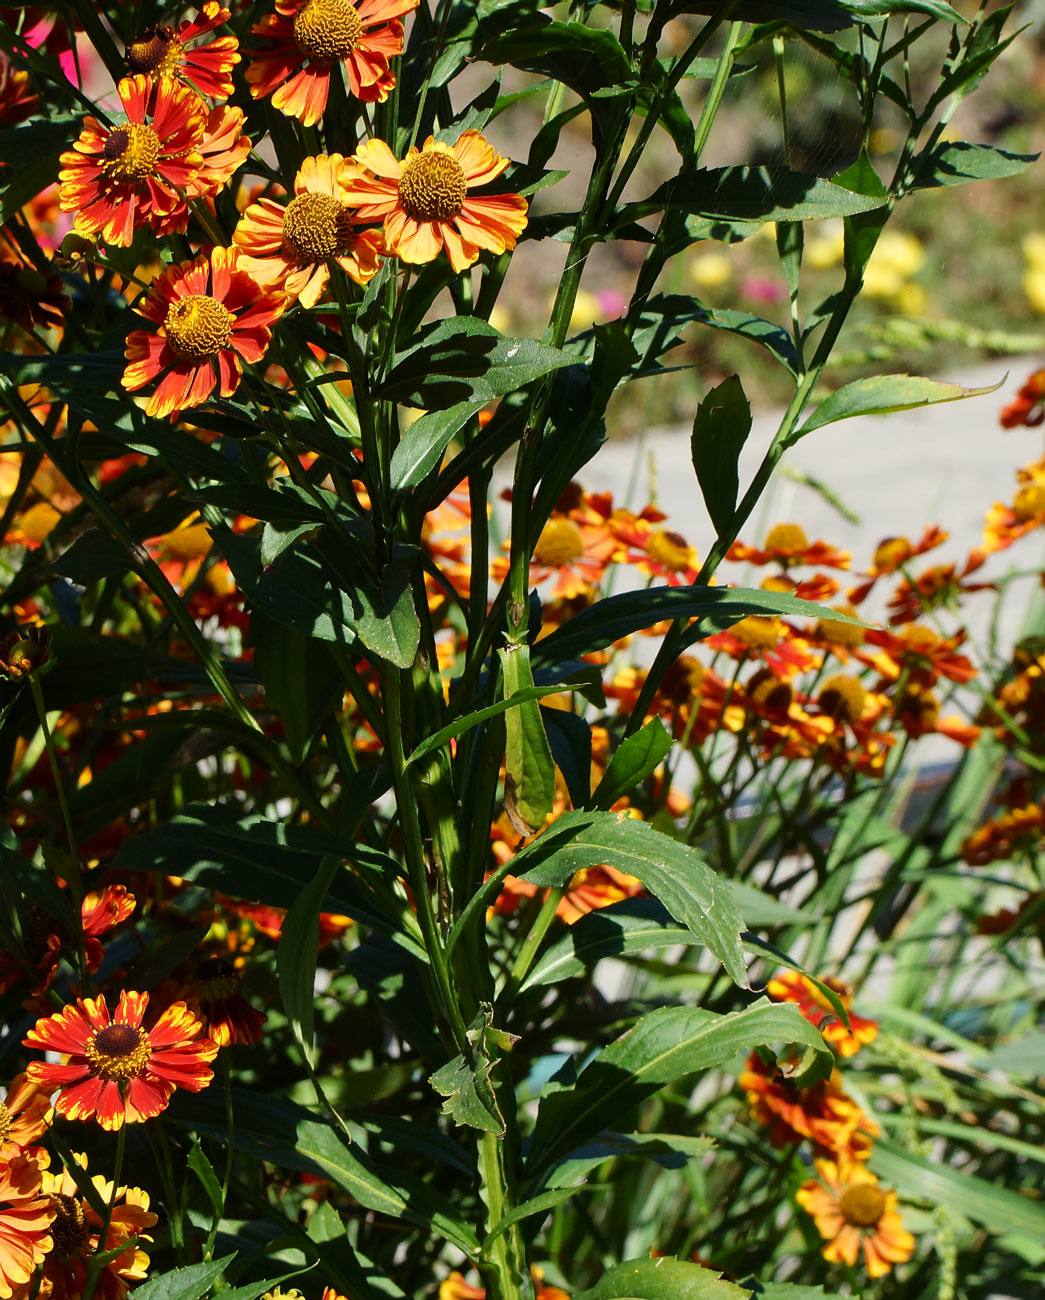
(756, 632)
(846, 635)
(5, 1123)
(1029, 503)
(787, 540)
(862, 1205)
(130, 152)
(670, 549)
(432, 186)
(38, 521)
(767, 689)
(316, 226)
(921, 640)
(561, 542)
(891, 553)
(118, 1051)
(155, 53)
(842, 698)
(69, 1228)
(327, 29)
(198, 326)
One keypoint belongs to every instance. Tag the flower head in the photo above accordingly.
(165, 52)
(118, 179)
(291, 246)
(117, 1071)
(824, 1113)
(792, 987)
(852, 1213)
(25, 1223)
(24, 651)
(24, 1110)
(425, 202)
(305, 40)
(212, 316)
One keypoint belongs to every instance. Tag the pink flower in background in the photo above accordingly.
(760, 288)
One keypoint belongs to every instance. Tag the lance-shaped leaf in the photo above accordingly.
(664, 1045)
(882, 394)
(720, 429)
(465, 1081)
(672, 872)
(662, 1279)
(633, 760)
(959, 162)
(188, 1283)
(529, 780)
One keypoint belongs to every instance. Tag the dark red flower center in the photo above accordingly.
(69, 1228)
(155, 52)
(118, 1051)
(130, 152)
(432, 186)
(327, 29)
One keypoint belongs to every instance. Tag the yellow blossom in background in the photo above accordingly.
(586, 311)
(826, 248)
(912, 300)
(897, 256)
(1034, 249)
(710, 270)
(883, 140)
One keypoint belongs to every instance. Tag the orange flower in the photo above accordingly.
(1004, 836)
(212, 316)
(136, 174)
(212, 993)
(852, 1212)
(766, 637)
(824, 1113)
(891, 554)
(792, 987)
(101, 910)
(223, 148)
(1027, 408)
(939, 585)
(25, 1222)
(292, 246)
(117, 1071)
(23, 1116)
(305, 39)
(787, 544)
(163, 52)
(77, 1236)
(919, 653)
(1007, 524)
(425, 204)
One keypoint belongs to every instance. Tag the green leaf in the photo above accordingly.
(300, 677)
(672, 872)
(251, 1290)
(786, 1291)
(187, 1283)
(539, 1204)
(634, 925)
(469, 720)
(288, 1136)
(465, 360)
(388, 624)
(465, 1081)
(298, 953)
(884, 393)
(619, 616)
(422, 445)
(661, 1279)
(720, 429)
(664, 1045)
(760, 909)
(957, 163)
(94, 555)
(670, 1150)
(997, 1208)
(529, 780)
(754, 194)
(585, 58)
(204, 1171)
(633, 760)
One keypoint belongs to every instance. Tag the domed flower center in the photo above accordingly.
(155, 53)
(561, 542)
(846, 635)
(766, 689)
(118, 1051)
(918, 708)
(215, 978)
(670, 549)
(327, 29)
(891, 553)
(5, 1123)
(787, 540)
(757, 632)
(432, 186)
(198, 326)
(316, 226)
(921, 640)
(862, 1205)
(69, 1229)
(842, 698)
(683, 680)
(130, 152)
(1029, 502)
